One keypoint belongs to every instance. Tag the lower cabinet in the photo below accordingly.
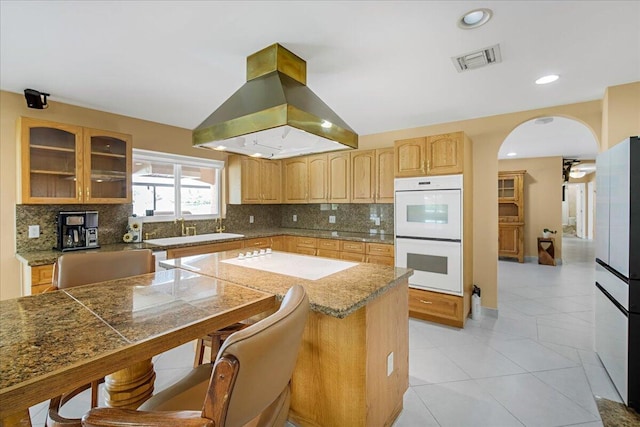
(203, 249)
(41, 278)
(436, 307)
(511, 241)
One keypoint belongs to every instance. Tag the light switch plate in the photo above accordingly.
(332, 219)
(34, 231)
(390, 364)
(377, 220)
(250, 219)
(295, 218)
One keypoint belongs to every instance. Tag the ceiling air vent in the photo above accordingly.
(477, 59)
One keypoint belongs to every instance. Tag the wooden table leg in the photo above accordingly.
(130, 387)
(18, 419)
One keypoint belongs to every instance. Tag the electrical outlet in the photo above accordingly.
(295, 218)
(332, 219)
(377, 221)
(390, 364)
(34, 231)
(250, 219)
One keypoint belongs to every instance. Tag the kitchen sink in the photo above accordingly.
(192, 239)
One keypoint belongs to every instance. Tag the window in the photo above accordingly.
(168, 186)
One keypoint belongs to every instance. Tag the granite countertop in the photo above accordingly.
(338, 295)
(50, 256)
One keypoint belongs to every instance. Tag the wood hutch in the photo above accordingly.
(511, 214)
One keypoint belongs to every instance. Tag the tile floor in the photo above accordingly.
(534, 365)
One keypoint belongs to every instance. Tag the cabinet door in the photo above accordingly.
(278, 243)
(318, 179)
(339, 174)
(107, 167)
(363, 176)
(51, 162)
(410, 157)
(384, 182)
(444, 154)
(251, 180)
(270, 181)
(509, 240)
(508, 186)
(295, 180)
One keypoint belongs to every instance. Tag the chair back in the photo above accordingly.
(266, 353)
(82, 268)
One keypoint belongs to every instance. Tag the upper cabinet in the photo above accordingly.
(372, 176)
(431, 155)
(511, 196)
(318, 179)
(339, 177)
(254, 181)
(296, 177)
(64, 164)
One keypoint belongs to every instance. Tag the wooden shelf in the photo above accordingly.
(49, 172)
(98, 153)
(51, 148)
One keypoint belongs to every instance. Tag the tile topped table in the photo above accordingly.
(54, 342)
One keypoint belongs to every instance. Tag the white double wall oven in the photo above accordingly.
(428, 229)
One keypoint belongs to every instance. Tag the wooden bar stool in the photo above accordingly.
(214, 341)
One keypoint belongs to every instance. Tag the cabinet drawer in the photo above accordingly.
(41, 275)
(261, 242)
(436, 307)
(38, 289)
(307, 242)
(348, 246)
(379, 249)
(381, 260)
(352, 256)
(333, 245)
(203, 249)
(305, 251)
(328, 253)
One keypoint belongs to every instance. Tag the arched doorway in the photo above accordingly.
(556, 155)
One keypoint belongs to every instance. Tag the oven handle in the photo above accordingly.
(435, 239)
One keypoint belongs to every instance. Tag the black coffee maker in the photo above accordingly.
(77, 230)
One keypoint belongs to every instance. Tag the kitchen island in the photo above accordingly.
(352, 369)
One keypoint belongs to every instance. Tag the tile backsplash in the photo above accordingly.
(359, 218)
(112, 224)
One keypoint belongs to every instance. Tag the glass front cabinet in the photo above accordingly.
(65, 164)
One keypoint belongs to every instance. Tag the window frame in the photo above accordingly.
(178, 160)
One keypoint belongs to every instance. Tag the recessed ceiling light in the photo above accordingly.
(511, 154)
(547, 79)
(577, 174)
(475, 18)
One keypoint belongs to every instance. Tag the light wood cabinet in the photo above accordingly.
(41, 278)
(254, 181)
(385, 175)
(378, 253)
(511, 214)
(436, 307)
(296, 175)
(363, 176)
(203, 249)
(339, 176)
(372, 176)
(431, 155)
(63, 164)
(318, 179)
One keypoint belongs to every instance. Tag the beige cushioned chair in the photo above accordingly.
(249, 384)
(82, 268)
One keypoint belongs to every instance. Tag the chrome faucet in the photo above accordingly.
(219, 228)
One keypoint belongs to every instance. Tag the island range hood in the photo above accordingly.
(274, 114)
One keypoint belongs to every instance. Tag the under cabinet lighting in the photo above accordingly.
(511, 154)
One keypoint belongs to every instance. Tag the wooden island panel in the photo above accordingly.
(351, 356)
